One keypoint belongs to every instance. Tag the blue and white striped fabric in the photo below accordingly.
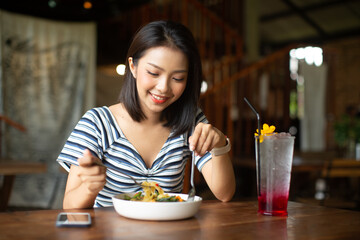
(99, 132)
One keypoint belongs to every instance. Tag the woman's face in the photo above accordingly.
(161, 76)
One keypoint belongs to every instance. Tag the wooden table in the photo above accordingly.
(215, 220)
(11, 168)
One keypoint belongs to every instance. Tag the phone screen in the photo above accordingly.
(73, 220)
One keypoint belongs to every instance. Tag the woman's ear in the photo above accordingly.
(132, 67)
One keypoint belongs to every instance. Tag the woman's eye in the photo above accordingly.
(152, 74)
(178, 79)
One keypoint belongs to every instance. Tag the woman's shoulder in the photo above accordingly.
(98, 114)
(102, 119)
(98, 109)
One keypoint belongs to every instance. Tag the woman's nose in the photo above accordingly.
(163, 84)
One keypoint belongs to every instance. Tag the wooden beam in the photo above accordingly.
(306, 18)
(308, 8)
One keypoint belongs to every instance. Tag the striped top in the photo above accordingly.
(99, 132)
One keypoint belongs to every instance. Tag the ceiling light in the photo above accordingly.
(87, 4)
(120, 69)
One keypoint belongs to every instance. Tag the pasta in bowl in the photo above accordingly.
(153, 193)
(154, 204)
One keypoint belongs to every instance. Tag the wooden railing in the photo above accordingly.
(226, 99)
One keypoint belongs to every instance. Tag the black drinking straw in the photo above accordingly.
(257, 143)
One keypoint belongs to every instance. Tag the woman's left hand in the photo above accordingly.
(205, 138)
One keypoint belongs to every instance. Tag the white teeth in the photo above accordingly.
(157, 98)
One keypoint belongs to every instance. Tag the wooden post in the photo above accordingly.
(184, 15)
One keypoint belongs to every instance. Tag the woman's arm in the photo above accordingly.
(84, 182)
(219, 175)
(218, 172)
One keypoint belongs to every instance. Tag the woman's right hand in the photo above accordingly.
(84, 182)
(92, 175)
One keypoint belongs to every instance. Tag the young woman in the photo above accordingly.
(148, 134)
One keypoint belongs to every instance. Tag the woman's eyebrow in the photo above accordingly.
(160, 68)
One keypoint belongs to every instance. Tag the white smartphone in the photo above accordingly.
(67, 219)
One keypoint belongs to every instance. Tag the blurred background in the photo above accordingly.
(296, 61)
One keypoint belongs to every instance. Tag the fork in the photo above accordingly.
(192, 192)
(125, 174)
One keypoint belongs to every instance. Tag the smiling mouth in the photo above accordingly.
(158, 99)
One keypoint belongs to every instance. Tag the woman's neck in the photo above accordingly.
(152, 119)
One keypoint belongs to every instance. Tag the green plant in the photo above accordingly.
(347, 129)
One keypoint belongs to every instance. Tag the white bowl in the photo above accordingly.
(156, 210)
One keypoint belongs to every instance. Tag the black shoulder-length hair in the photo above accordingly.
(179, 115)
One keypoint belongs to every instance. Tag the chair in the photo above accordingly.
(335, 170)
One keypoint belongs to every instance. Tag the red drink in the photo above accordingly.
(273, 206)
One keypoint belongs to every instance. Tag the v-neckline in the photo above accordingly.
(122, 135)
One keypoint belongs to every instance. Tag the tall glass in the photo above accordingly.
(273, 170)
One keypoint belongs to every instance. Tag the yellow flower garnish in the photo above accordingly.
(267, 130)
